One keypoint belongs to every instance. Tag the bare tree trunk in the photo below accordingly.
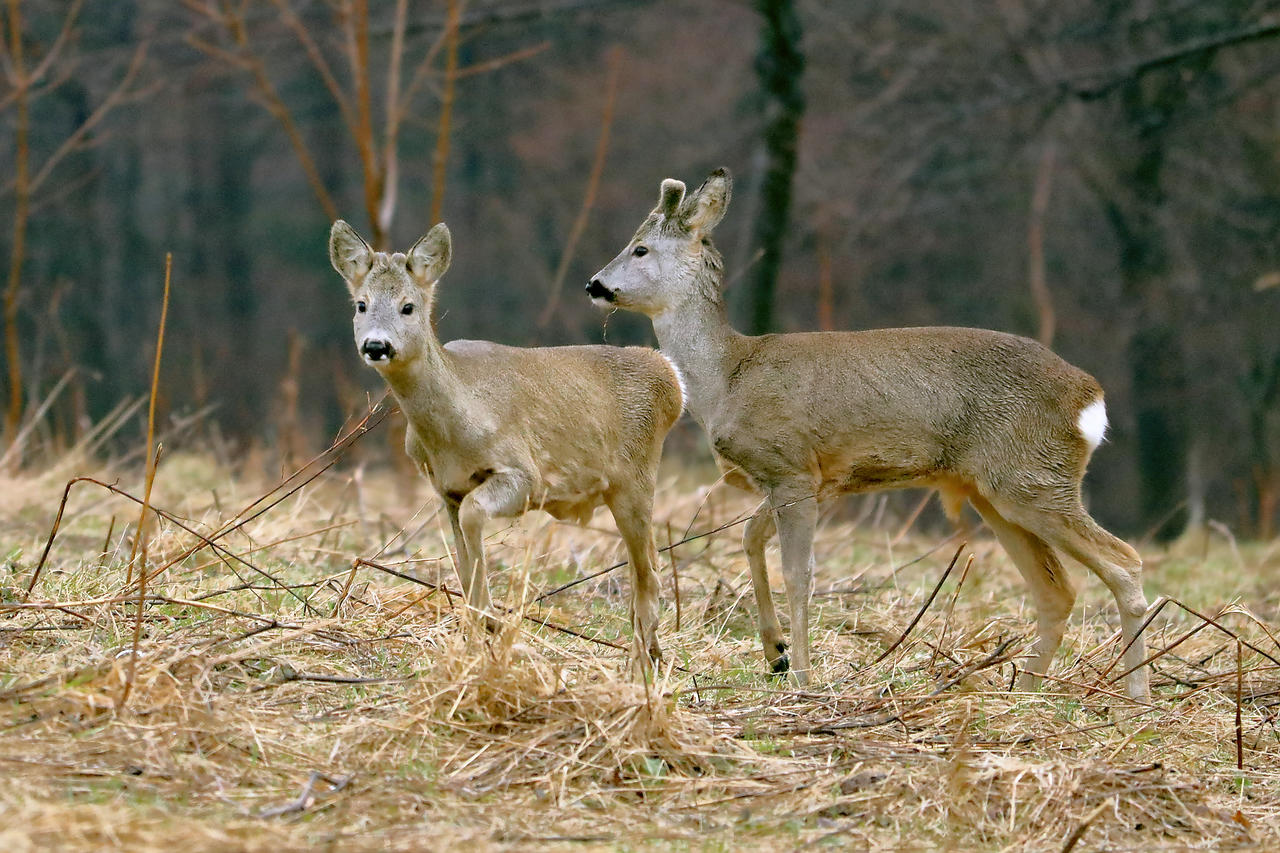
(358, 22)
(22, 199)
(440, 158)
(826, 293)
(780, 68)
(391, 137)
(1035, 245)
(1262, 392)
(1194, 538)
(356, 101)
(1160, 373)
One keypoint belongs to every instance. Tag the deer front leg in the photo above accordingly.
(754, 536)
(633, 513)
(461, 560)
(797, 519)
(505, 493)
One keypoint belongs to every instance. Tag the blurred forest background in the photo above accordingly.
(1103, 174)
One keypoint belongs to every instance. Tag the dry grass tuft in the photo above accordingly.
(285, 695)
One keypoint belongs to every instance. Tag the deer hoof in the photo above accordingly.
(781, 664)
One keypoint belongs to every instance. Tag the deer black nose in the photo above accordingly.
(596, 290)
(377, 350)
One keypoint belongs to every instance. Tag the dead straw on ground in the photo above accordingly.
(302, 675)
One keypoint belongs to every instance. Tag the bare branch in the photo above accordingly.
(67, 187)
(500, 61)
(58, 43)
(54, 80)
(233, 24)
(213, 51)
(114, 99)
(295, 25)
(1098, 84)
(422, 71)
(377, 144)
(6, 63)
(593, 184)
(493, 14)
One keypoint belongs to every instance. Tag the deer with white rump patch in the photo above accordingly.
(500, 430)
(989, 417)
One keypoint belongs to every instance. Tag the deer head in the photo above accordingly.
(670, 259)
(393, 293)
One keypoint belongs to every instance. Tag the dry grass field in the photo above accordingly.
(281, 695)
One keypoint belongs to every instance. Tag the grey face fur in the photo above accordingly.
(664, 264)
(393, 293)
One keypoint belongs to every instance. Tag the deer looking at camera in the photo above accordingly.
(993, 418)
(501, 430)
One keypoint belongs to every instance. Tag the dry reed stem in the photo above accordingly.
(152, 452)
(928, 601)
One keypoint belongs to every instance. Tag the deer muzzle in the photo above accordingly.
(597, 290)
(375, 350)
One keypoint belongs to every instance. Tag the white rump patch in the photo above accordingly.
(684, 392)
(1093, 423)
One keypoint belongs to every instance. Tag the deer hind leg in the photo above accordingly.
(797, 520)
(754, 536)
(505, 493)
(1115, 562)
(1047, 580)
(633, 513)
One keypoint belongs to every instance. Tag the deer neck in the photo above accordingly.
(434, 399)
(697, 336)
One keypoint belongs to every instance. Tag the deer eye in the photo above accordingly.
(640, 251)
(407, 309)
(361, 307)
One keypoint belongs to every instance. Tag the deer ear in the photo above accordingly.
(430, 257)
(348, 252)
(703, 210)
(671, 195)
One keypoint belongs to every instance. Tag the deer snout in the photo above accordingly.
(597, 290)
(377, 350)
